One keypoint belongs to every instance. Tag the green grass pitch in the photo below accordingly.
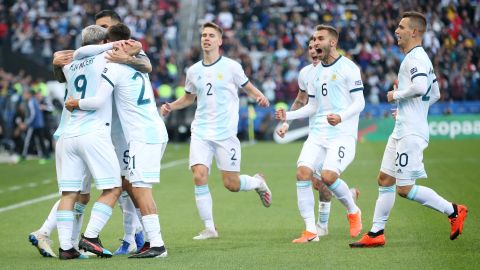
(254, 237)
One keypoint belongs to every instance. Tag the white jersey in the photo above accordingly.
(83, 80)
(65, 116)
(412, 112)
(216, 87)
(332, 86)
(135, 104)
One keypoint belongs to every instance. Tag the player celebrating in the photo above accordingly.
(335, 102)
(214, 82)
(306, 75)
(402, 160)
(145, 133)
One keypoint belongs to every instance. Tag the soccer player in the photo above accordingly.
(87, 146)
(145, 133)
(402, 160)
(305, 76)
(132, 226)
(335, 102)
(214, 82)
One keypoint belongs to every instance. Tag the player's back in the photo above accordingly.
(135, 104)
(412, 112)
(83, 80)
(216, 86)
(332, 87)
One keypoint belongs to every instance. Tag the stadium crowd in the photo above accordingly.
(267, 37)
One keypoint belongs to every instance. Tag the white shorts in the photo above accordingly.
(144, 162)
(403, 159)
(121, 149)
(228, 153)
(333, 155)
(86, 176)
(94, 152)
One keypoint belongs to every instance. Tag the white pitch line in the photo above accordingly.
(13, 188)
(55, 195)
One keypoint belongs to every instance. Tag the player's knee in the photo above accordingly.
(84, 198)
(385, 180)
(403, 190)
(231, 183)
(304, 173)
(329, 177)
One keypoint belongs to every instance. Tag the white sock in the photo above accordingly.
(306, 204)
(100, 215)
(383, 206)
(78, 211)
(64, 227)
(429, 198)
(152, 230)
(51, 221)
(341, 191)
(129, 218)
(249, 182)
(139, 218)
(323, 213)
(203, 199)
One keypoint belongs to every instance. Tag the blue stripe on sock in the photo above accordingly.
(413, 193)
(202, 190)
(79, 207)
(333, 186)
(102, 208)
(304, 184)
(386, 189)
(243, 182)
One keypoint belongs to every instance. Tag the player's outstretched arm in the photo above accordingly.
(90, 50)
(306, 111)
(60, 59)
(91, 103)
(178, 104)
(256, 94)
(434, 94)
(139, 62)
(299, 102)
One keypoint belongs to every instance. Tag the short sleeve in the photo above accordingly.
(189, 85)
(111, 73)
(302, 84)
(239, 77)
(416, 68)
(354, 80)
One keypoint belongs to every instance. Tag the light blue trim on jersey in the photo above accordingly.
(335, 184)
(216, 61)
(389, 189)
(356, 89)
(108, 80)
(413, 193)
(328, 65)
(418, 74)
(304, 184)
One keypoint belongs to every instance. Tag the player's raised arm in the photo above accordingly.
(60, 59)
(131, 56)
(256, 94)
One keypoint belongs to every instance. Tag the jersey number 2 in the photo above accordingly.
(141, 100)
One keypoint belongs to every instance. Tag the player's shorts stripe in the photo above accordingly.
(418, 74)
(108, 80)
(356, 89)
(245, 83)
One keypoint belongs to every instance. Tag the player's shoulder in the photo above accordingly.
(229, 62)
(195, 67)
(348, 64)
(306, 69)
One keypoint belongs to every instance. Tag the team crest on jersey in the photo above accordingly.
(413, 70)
(220, 76)
(334, 77)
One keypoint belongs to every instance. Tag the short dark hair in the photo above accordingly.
(417, 20)
(118, 32)
(214, 26)
(331, 30)
(108, 13)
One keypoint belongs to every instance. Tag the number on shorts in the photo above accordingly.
(126, 157)
(141, 100)
(341, 154)
(324, 89)
(234, 153)
(131, 163)
(80, 84)
(209, 93)
(401, 160)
